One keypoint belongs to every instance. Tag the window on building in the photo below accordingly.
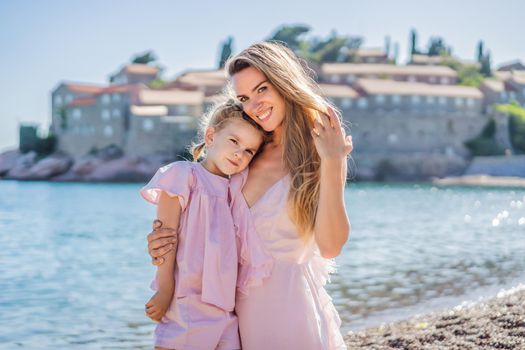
(58, 100)
(182, 109)
(415, 99)
(69, 98)
(116, 97)
(108, 130)
(116, 113)
(444, 80)
(459, 101)
(380, 99)
(105, 114)
(432, 79)
(503, 95)
(450, 126)
(362, 103)
(512, 95)
(147, 125)
(346, 103)
(431, 100)
(351, 78)
(442, 100)
(412, 78)
(335, 78)
(77, 114)
(105, 99)
(470, 102)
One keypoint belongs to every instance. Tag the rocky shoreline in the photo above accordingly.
(493, 323)
(105, 166)
(111, 165)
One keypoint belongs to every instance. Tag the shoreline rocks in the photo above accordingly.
(60, 167)
(111, 165)
(494, 323)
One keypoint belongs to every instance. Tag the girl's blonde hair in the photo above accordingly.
(218, 117)
(293, 80)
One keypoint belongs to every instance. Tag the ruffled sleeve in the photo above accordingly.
(176, 179)
(255, 264)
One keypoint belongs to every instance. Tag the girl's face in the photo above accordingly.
(229, 150)
(259, 99)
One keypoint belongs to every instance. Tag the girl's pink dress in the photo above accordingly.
(285, 306)
(201, 313)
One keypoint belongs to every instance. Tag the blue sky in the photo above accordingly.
(44, 42)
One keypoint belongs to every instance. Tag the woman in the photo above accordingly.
(294, 200)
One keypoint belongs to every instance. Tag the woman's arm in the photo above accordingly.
(331, 223)
(168, 212)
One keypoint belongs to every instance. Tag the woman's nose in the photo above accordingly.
(254, 106)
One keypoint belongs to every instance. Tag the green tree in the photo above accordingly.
(144, 58)
(336, 48)
(485, 65)
(292, 36)
(436, 47)
(485, 144)
(468, 75)
(413, 42)
(480, 51)
(226, 51)
(516, 115)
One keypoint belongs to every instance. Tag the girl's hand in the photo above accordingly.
(330, 138)
(161, 241)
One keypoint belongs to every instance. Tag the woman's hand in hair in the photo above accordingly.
(330, 138)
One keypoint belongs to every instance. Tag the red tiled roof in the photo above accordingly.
(140, 69)
(83, 88)
(115, 88)
(83, 101)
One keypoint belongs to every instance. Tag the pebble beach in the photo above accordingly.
(492, 323)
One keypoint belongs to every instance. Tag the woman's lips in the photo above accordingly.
(264, 116)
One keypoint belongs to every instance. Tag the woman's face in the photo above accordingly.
(259, 99)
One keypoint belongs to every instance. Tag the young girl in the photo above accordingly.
(194, 198)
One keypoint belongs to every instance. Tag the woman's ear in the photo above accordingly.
(209, 134)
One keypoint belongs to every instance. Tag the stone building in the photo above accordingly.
(401, 117)
(348, 73)
(392, 111)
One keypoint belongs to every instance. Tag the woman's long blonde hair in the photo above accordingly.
(218, 117)
(292, 79)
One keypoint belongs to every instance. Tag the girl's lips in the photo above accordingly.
(232, 162)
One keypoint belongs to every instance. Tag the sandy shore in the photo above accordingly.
(481, 181)
(494, 323)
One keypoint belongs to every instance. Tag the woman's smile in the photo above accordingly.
(265, 115)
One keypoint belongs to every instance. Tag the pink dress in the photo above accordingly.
(201, 314)
(284, 306)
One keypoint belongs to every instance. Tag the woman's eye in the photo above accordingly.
(234, 141)
(261, 89)
(249, 152)
(243, 99)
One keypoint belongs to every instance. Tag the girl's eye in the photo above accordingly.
(261, 89)
(249, 152)
(243, 99)
(234, 141)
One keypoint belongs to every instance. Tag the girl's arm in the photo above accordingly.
(331, 223)
(168, 212)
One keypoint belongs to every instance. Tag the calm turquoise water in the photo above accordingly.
(74, 270)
